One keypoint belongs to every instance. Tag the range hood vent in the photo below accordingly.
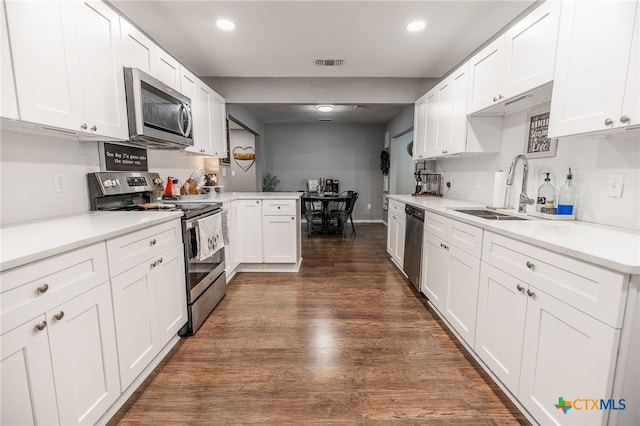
(359, 107)
(329, 62)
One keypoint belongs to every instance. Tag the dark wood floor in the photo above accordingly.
(344, 341)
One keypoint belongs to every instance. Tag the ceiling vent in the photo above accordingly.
(329, 62)
(359, 107)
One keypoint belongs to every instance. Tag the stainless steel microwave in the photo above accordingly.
(159, 116)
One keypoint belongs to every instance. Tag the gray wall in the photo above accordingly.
(349, 152)
(402, 166)
(243, 172)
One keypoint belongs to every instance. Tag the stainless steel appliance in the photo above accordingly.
(159, 116)
(206, 280)
(413, 244)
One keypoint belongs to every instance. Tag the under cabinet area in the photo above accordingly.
(395, 232)
(59, 359)
(149, 294)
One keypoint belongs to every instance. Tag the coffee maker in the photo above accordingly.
(331, 186)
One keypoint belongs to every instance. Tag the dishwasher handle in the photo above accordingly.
(414, 212)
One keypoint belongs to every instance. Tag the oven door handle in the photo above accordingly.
(193, 236)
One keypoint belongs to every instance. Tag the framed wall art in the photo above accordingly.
(538, 144)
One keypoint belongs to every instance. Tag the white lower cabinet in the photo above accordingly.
(279, 238)
(548, 327)
(149, 301)
(451, 272)
(395, 232)
(249, 231)
(268, 231)
(61, 367)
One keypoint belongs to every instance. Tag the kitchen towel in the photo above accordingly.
(210, 238)
(499, 190)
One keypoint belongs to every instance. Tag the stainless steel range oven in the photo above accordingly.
(206, 280)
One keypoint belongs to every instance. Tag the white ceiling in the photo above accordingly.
(283, 38)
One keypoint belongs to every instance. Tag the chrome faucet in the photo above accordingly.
(524, 199)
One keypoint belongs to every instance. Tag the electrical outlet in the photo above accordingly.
(59, 182)
(233, 172)
(224, 171)
(368, 206)
(615, 185)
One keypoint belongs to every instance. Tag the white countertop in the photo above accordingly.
(26, 242)
(606, 246)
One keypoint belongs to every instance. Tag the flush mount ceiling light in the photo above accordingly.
(325, 108)
(416, 26)
(225, 24)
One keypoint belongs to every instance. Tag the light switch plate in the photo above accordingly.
(615, 185)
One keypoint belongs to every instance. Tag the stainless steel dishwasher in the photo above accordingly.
(413, 244)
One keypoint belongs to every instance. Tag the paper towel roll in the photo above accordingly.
(499, 189)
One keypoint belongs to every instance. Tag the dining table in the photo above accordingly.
(325, 199)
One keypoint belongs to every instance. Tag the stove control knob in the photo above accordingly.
(106, 183)
(157, 181)
(116, 182)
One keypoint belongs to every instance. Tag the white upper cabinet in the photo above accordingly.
(101, 69)
(451, 118)
(209, 116)
(138, 51)
(420, 126)
(68, 69)
(9, 104)
(520, 60)
(596, 75)
(167, 70)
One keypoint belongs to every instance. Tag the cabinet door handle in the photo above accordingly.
(160, 260)
(608, 122)
(152, 242)
(495, 99)
(500, 97)
(530, 265)
(625, 119)
(59, 315)
(153, 264)
(530, 293)
(41, 326)
(43, 288)
(83, 126)
(257, 201)
(94, 128)
(519, 287)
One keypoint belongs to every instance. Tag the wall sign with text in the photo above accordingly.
(538, 143)
(121, 158)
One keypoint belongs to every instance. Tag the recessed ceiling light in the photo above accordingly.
(225, 24)
(325, 108)
(416, 26)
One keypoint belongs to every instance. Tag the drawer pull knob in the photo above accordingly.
(59, 315)
(153, 242)
(530, 293)
(625, 119)
(278, 207)
(41, 326)
(43, 288)
(519, 287)
(94, 128)
(608, 122)
(154, 263)
(530, 265)
(160, 260)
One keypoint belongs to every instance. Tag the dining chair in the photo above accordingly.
(344, 215)
(312, 213)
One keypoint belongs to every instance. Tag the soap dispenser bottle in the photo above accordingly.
(567, 196)
(546, 193)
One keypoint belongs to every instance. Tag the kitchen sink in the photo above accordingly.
(489, 215)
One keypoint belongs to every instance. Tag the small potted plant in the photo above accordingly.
(269, 182)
